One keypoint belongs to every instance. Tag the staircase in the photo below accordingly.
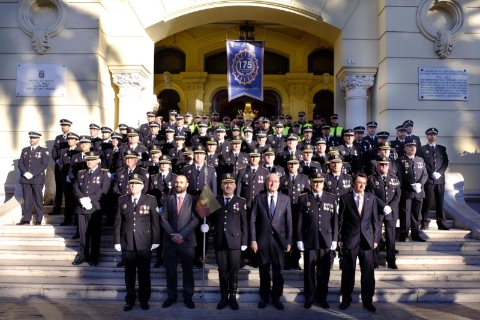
(36, 261)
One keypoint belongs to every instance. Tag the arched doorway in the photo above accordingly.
(270, 106)
(168, 99)
(323, 101)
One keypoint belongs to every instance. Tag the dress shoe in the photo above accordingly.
(424, 227)
(223, 302)
(38, 223)
(403, 239)
(121, 263)
(144, 306)
(278, 304)
(158, 264)
(168, 302)
(242, 265)
(77, 262)
(189, 303)
(396, 251)
(76, 235)
(54, 213)
(375, 265)
(198, 265)
(418, 239)
(21, 223)
(233, 302)
(66, 223)
(393, 266)
(324, 305)
(128, 307)
(441, 226)
(344, 306)
(262, 304)
(93, 263)
(370, 307)
(307, 304)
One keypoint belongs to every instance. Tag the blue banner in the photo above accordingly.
(245, 69)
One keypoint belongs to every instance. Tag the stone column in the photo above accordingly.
(131, 84)
(355, 87)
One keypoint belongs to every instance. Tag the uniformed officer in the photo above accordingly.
(320, 155)
(382, 137)
(307, 165)
(364, 145)
(153, 165)
(386, 187)
(200, 138)
(408, 124)
(307, 138)
(413, 175)
(169, 142)
(269, 160)
(436, 160)
(32, 164)
(89, 189)
(316, 233)
(137, 233)
(152, 139)
(230, 236)
(331, 141)
(233, 160)
(176, 154)
(248, 143)
(251, 178)
(123, 174)
(94, 130)
(59, 144)
(223, 145)
(383, 151)
(277, 140)
(181, 129)
(261, 144)
(212, 155)
(371, 136)
(132, 145)
(105, 143)
(123, 129)
(399, 143)
(144, 130)
(350, 152)
(290, 149)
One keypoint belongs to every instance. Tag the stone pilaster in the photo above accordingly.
(194, 90)
(298, 89)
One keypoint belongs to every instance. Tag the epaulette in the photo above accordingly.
(124, 195)
(83, 170)
(393, 175)
(149, 195)
(142, 168)
(210, 166)
(303, 194)
(241, 168)
(330, 193)
(104, 169)
(316, 162)
(242, 198)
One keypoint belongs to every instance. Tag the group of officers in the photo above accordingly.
(283, 188)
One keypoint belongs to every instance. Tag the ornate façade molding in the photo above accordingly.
(129, 79)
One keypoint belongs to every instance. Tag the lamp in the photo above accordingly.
(247, 31)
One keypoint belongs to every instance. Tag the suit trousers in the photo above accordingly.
(410, 216)
(90, 229)
(32, 196)
(58, 189)
(228, 262)
(390, 228)
(367, 279)
(137, 260)
(273, 256)
(437, 190)
(186, 258)
(316, 260)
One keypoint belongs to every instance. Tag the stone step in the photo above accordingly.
(445, 234)
(38, 240)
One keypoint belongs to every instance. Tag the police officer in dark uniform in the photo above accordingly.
(381, 137)
(364, 145)
(177, 153)
(251, 178)
(132, 145)
(32, 164)
(123, 129)
(105, 143)
(182, 130)
(137, 233)
(153, 165)
(316, 232)
(153, 138)
(277, 140)
(200, 138)
(408, 124)
(212, 155)
(59, 144)
(436, 160)
(320, 155)
(269, 162)
(290, 149)
(350, 152)
(230, 237)
(123, 174)
(187, 160)
(386, 187)
(371, 137)
(399, 143)
(307, 165)
(383, 151)
(233, 160)
(144, 130)
(94, 129)
(89, 189)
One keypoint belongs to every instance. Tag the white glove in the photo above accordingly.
(300, 246)
(118, 247)
(334, 245)
(387, 210)
(57, 161)
(243, 248)
(68, 179)
(436, 175)
(155, 246)
(204, 228)
(28, 175)
(88, 206)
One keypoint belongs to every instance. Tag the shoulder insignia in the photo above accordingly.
(104, 169)
(242, 198)
(83, 170)
(149, 195)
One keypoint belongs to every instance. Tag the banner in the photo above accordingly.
(206, 202)
(245, 69)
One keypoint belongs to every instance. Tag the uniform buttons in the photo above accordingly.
(134, 224)
(224, 229)
(133, 230)
(225, 222)
(133, 218)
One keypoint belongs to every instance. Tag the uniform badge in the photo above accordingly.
(155, 182)
(228, 159)
(308, 204)
(76, 160)
(427, 152)
(329, 182)
(122, 176)
(246, 176)
(377, 183)
(25, 153)
(82, 176)
(286, 183)
(124, 206)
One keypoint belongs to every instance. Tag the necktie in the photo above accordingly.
(180, 202)
(360, 203)
(336, 178)
(272, 206)
(269, 169)
(318, 200)
(293, 180)
(433, 147)
(31, 148)
(384, 179)
(236, 156)
(135, 203)
(227, 200)
(90, 171)
(254, 172)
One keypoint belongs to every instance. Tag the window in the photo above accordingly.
(171, 60)
(320, 62)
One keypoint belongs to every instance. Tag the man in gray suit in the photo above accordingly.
(271, 237)
(179, 220)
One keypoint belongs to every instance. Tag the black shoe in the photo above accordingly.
(169, 302)
(54, 213)
(66, 223)
(198, 265)
(344, 306)
(424, 227)
(278, 305)
(189, 303)
(121, 263)
(296, 267)
(76, 235)
(307, 304)
(128, 307)
(158, 264)
(233, 303)
(93, 263)
(242, 265)
(393, 266)
(77, 262)
(375, 265)
(403, 239)
(370, 307)
(38, 223)
(21, 223)
(262, 304)
(441, 226)
(144, 306)
(324, 305)
(396, 251)
(418, 239)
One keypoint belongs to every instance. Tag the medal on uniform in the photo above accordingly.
(124, 206)
(155, 182)
(122, 176)
(308, 204)
(246, 176)
(82, 176)
(377, 183)
(189, 171)
(25, 154)
(329, 182)
(286, 183)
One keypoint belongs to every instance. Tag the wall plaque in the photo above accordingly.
(442, 84)
(40, 80)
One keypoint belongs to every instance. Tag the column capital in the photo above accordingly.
(356, 79)
(129, 79)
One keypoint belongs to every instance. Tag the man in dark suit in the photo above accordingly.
(89, 189)
(32, 164)
(436, 160)
(271, 237)
(317, 232)
(137, 232)
(386, 187)
(230, 236)
(179, 219)
(358, 237)
(59, 144)
(413, 175)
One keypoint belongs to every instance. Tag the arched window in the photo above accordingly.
(171, 60)
(168, 100)
(323, 101)
(273, 63)
(320, 62)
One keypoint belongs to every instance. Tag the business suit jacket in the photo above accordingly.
(317, 224)
(229, 223)
(388, 194)
(94, 186)
(35, 162)
(249, 186)
(263, 226)
(409, 174)
(197, 181)
(354, 227)
(183, 223)
(436, 161)
(139, 226)
(294, 190)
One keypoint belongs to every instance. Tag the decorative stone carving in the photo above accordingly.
(356, 85)
(167, 77)
(128, 82)
(42, 20)
(326, 80)
(451, 27)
